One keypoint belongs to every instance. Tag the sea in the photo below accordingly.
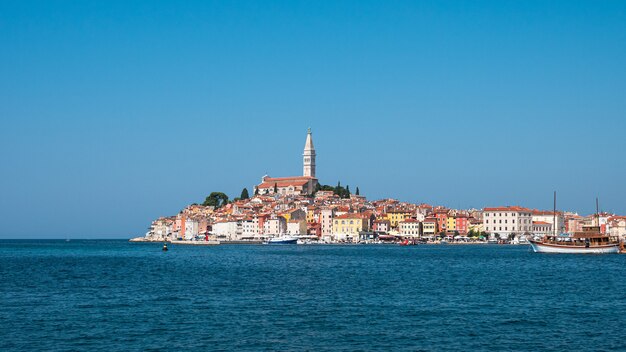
(112, 295)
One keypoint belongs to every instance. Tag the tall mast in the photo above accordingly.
(597, 213)
(554, 216)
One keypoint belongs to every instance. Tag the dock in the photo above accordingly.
(196, 243)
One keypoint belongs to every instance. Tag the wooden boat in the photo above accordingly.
(590, 240)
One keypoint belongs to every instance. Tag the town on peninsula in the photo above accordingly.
(301, 207)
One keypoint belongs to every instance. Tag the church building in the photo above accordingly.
(296, 185)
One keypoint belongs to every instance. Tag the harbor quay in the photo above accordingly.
(299, 209)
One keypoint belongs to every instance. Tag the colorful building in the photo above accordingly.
(350, 224)
(395, 216)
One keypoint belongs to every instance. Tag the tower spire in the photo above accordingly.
(308, 157)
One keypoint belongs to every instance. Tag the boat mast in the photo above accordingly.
(554, 216)
(597, 214)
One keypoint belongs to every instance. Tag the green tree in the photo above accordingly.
(357, 191)
(347, 191)
(256, 191)
(216, 199)
(275, 188)
(244, 194)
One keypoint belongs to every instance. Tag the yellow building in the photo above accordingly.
(350, 224)
(451, 224)
(429, 227)
(310, 214)
(396, 216)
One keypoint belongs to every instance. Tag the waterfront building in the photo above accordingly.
(275, 226)
(461, 224)
(381, 225)
(409, 227)
(225, 230)
(548, 216)
(542, 228)
(314, 229)
(475, 225)
(326, 221)
(349, 225)
(507, 220)
(296, 227)
(617, 226)
(429, 227)
(191, 229)
(451, 224)
(249, 228)
(441, 214)
(161, 229)
(573, 223)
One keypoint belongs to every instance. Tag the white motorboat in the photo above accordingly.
(283, 240)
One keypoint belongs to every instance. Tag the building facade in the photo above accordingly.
(507, 220)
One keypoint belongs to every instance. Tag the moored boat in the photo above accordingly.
(575, 246)
(590, 240)
(283, 240)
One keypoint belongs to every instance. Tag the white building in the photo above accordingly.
(249, 228)
(617, 226)
(507, 220)
(275, 226)
(226, 230)
(409, 227)
(548, 217)
(161, 229)
(191, 229)
(296, 227)
(542, 228)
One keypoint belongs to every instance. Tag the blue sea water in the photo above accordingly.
(119, 296)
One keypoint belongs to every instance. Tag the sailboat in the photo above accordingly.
(590, 240)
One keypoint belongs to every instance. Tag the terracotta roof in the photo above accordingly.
(292, 178)
(350, 216)
(265, 185)
(508, 208)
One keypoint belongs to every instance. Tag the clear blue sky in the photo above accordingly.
(116, 112)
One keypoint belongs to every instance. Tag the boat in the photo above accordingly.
(590, 240)
(406, 242)
(283, 240)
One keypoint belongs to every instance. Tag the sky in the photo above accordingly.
(113, 113)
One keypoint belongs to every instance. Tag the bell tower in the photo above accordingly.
(308, 158)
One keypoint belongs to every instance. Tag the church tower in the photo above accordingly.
(309, 156)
